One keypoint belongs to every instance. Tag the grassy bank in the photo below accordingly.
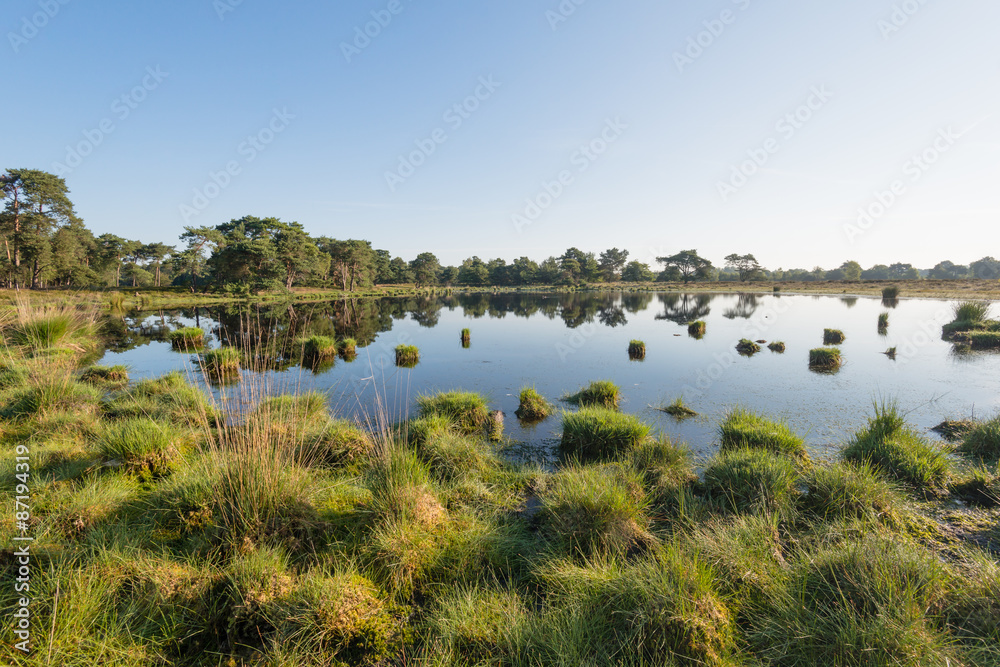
(166, 533)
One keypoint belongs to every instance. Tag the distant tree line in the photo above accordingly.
(46, 244)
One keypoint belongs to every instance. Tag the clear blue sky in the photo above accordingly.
(883, 89)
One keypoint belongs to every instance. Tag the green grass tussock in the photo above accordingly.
(600, 393)
(636, 350)
(141, 446)
(866, 602)
(187, 338)
(678, 409)
(747, 347)
(852, 491)
(222, 364)
(407, 356)
(468, 412)
(982, 441)
(883, 321)
(664, 604)
(600, 432)
(595, 509)
(106, 377)
(895, 450)
(777, 346)
(319, 349)
(890, 292)
(532, 406)
(697, 329)
(825, 359)
(169, 397)
(833, 337)
(751, 480)
(742, 429)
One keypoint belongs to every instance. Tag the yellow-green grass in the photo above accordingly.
(601, 432)
(468, 412)
(532, 406)
(896, 451)
(982, 440)
(697, 329)
(747, 347)
(752, 480)
(833, 337)
(187, 338)
(745, 429)
(678, 409)
(600, 393)
(636, 350)
(106, 377)
(776, 346)
(407, 356)
(222, 364)
(825, 358)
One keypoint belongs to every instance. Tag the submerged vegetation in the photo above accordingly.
(168, 530)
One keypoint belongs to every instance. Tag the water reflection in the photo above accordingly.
(684, 308)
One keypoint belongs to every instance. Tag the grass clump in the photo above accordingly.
(600, 432)
(466, 335)
(109, 377)
(883, 322)
(532, 405)
(595, 509)
(407, 356)
(50, 330)
(751, 480)
(860, 602)
(319, 349)
(467, 411)
(667, 471)
(973, 312)
(890, 292)
(600, 393)
(187, 338)
(658, 609)
(852, 491)
(777, 346)
(222, 364)
(52, 395)
(747, 347)
(141, 446)
(168, 397)
(348, 349)
(833, 337)
(896, 451)
(678, 409)
(697, 329)
(982, 440)
(825, 359)
(979, 487)
(636, 350)
(475, 623)
(891, 353)
(743, 429)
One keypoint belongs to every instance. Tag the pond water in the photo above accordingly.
(559, 342)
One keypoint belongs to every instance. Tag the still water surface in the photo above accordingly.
(560, 342)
